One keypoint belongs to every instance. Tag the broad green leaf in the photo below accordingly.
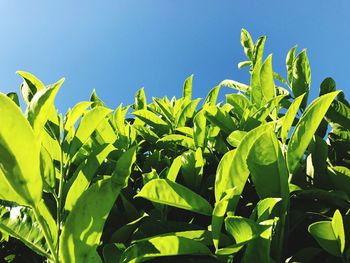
(165, 109)
(266, 79)
(232, 170)
(290, 116)
(236, 137)
(87, 126)
(219, 212)
(82, 177)
(170, 193)
(258, 52)
(140, 99)
(239, 103)
(47, 170)
(19, 222)
(241, 229)
(187, 113)
(340, 178)
(30, 86)
(179, 139)
(266, 164)
(13, 96)
(174, 169)
(282, 80)
(330, 234)
(146, 133)
(328, 85)
(199, 129)
(123, 167)
(247, 43)
(269, 108)
(290, 62)
(339, 113)
(264, 209)
(185, 131)
(40, 106)
(74, 114)
(187, 88)
(221, 118)
(259, 249)
(256, 95)
(235, 85)
(301, 76)
(152, 120)
(96, 101)
(81, 234)
(192, 168)
(161, 246)
(19, 152)
(338, 229)
(7, 192)
(212, 96)
(306, 128)
(243, 64)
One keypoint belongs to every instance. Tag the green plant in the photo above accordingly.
(180, 178)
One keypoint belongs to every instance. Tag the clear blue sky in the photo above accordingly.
(119, 46)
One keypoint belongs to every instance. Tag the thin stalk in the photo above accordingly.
(46, 233)
(59, 199)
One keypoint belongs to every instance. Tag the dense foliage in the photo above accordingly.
(261, 177)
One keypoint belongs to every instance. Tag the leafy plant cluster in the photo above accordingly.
(260, 177)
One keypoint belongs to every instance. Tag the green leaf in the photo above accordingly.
(232, 170)
(328, 85)
(152, 120)
(239, 102)
(221, 118)
(187, 113)
(192, 168)
(47, 170)
(306, 128)
(338, 229)
(264, 209)
(182, 140)
(219, 212)
(82, 177)
(256, 95)
(340, 178)
(290, 62)
(40, 106)
(30, 85)
(19, 153)
(140, 99)
(243, 64)
(235, 85)
(212, 96)
(330, 234)
(174, 169)
(187, 88)
(19, 222)
(236, 137)
(13, 96)
(290, 116)
(161, 246)
(266, 164)
(87, 126)
(73, 115)
(258, 52)
(301, 76)
(199, 129)
(96, 101)
(247, 43)
(241, 229)
(170, 193)
(339, 113)
(266, 79)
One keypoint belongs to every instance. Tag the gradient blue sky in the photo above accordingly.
(119, 46)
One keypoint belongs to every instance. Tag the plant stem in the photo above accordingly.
(46, 233)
